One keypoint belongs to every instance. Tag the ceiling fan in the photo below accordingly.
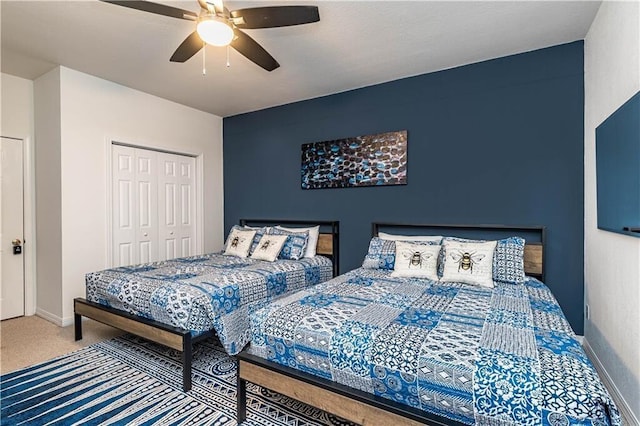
(218, 26)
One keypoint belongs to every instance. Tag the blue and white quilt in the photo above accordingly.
(486, 356)
(206, 292)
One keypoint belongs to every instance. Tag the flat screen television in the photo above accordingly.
(618, 169)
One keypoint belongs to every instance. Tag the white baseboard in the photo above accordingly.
(580, 338)
(621, 403)
(60, 322)
(67, 321)
(49, 316)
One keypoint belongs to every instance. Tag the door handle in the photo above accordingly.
(17, 246)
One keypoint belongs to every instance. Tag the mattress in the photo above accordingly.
(500, 356)
(202, 293)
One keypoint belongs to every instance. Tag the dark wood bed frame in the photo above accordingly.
(355, 405)
(177, 338)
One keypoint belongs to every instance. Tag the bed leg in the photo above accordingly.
(77, 326)
(241, 405)
(187, 355)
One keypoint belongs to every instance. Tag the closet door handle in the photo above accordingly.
(145, 234)
(171, 233)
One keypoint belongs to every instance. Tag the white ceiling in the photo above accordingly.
(355, 44)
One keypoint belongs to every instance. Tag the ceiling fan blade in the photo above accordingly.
(160, 9)
(253, 51)
(274, 16)
(189, 47)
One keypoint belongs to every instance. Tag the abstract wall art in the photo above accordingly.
(371, 160)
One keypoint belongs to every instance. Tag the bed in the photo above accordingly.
(181, 301)
(378, 349)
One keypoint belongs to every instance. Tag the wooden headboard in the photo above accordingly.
(328, 240)
(533, 235)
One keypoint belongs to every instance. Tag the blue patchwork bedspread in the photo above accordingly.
(206, 292)
(501, 356)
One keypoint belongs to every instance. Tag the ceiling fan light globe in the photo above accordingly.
(215, 32)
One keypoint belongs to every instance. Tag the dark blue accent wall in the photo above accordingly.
(497, 142)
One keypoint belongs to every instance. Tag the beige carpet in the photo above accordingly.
(25, 341)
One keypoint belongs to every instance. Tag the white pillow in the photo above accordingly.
(239, 242)
(312, 242)
(267, 228)
(416, 260)
(393, 237)
(269, 247)
(470, 263)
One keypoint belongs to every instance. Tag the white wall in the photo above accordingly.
(16, 121)
(17, 107)
(612, 261)
(92, 113)
(48, 190)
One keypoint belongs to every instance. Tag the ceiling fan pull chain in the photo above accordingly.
(204, 58)
(228, 63)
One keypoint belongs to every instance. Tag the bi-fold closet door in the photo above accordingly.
(154, 205)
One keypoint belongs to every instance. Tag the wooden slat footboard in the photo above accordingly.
(154, 331)
(348, 403)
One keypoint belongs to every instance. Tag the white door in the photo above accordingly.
(12, 229)
(176, 202)
(135, 201)
(146, 205)
(124, 230)
(153, 203)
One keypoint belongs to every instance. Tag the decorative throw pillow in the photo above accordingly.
(260, 231)
(294, 247)
(393, 237)
(239, 242)
(312, 243)
(382, 254)
(470, 263)
(269, 247)
(416, 259)
(508, 259)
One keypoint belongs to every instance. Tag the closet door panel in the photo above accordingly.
(187, 182)
(124, 212)
(177, 205)
(167, 212)
(147, 205)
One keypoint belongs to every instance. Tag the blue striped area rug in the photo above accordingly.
(130, 381)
